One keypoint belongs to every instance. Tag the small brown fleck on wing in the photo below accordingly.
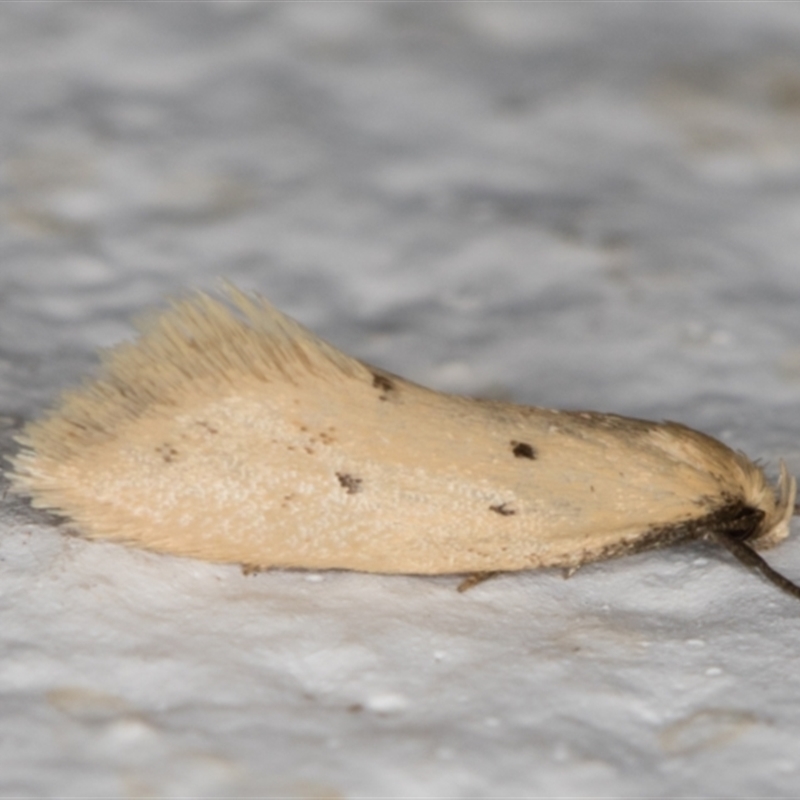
(522, 450)
(167, 452)
(349, 482)
(385, 385)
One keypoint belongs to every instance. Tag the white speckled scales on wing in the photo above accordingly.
(242, 437)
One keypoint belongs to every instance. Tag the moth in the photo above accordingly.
(229, 432)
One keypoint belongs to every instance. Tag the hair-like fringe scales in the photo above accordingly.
(196, 346)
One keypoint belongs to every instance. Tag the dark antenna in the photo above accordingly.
(750, 558)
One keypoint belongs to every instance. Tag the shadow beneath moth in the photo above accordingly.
(229, 432)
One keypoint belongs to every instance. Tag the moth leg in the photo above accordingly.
(750, 558)
(251, 569)
(568, 572)
(474, 579)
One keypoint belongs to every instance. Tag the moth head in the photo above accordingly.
(760, 522)
(746, 525)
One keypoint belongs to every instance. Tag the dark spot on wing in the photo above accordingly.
(384, 385)
(167, 452)
(349, 482)
(287, 498)
(522, 450)
(503, 510)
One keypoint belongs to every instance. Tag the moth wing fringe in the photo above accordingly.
(198, 345)
(776, 529)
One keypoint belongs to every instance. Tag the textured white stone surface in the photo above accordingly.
(570, 204)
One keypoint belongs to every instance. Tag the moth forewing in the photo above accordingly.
(237, 435)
